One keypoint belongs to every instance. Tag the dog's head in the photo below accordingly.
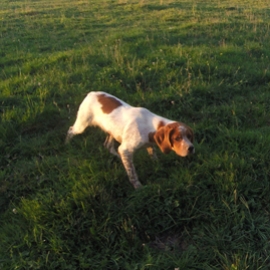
(176, 137)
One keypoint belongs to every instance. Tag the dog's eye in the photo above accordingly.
(178, 138)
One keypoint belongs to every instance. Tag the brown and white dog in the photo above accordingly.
(132, 128)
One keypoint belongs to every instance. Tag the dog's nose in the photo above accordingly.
(191, 149)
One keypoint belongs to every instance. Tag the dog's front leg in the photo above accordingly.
(127, 159)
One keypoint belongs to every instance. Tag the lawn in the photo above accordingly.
(205, 63)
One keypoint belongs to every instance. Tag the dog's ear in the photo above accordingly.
(162, 139)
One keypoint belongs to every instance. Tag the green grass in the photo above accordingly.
(205, 63)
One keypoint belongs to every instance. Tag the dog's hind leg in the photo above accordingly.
(110, 145)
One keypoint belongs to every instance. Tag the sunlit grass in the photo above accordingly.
(71, 206)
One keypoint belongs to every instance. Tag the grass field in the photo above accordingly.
(205, 63)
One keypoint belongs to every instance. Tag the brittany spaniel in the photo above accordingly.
(132, 128)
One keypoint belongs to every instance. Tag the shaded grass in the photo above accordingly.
(71, 207)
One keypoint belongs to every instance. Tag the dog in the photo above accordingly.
(133, 128)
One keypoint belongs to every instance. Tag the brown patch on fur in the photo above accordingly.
(151, 137)
(160, 124)
(108, 103)
(163, 137)
(151, 134)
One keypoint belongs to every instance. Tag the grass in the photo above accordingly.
(205, 63)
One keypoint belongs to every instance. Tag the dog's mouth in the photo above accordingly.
(183, 153)
(183, 149)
